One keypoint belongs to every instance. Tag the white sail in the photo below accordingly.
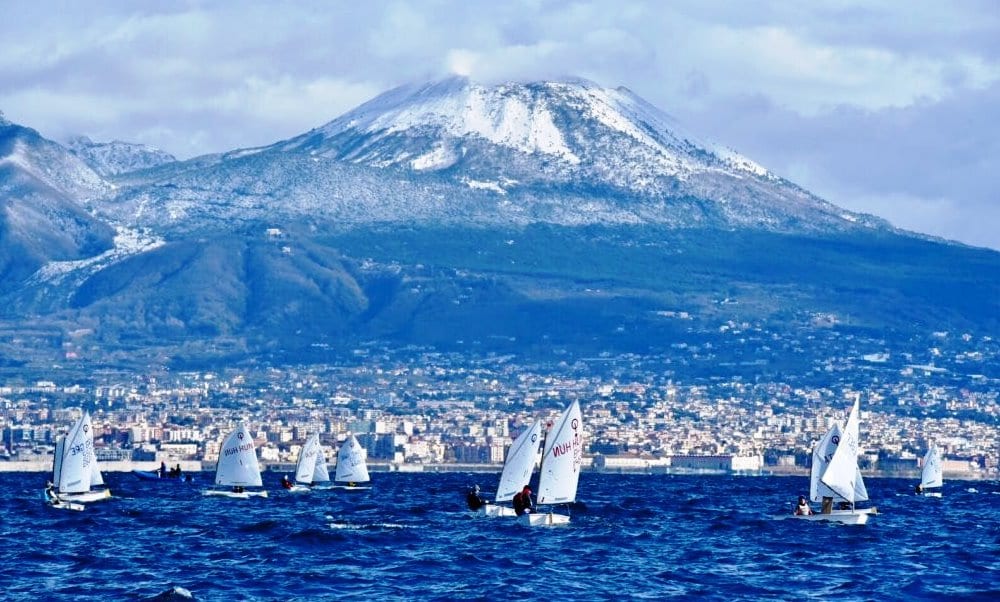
(520, 462)
(76, 461)
(57, 460)
(305, 469)
(561, 460)
(351, 465)
(931, 476)
(822, 453)
(842, 474)
(96, 478)
(238, 460)
(321, 472)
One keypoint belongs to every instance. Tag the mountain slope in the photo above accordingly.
(571, 135)
(41, 220)
(521, 217)
(568, 153)
(116, 157)
(224, 287)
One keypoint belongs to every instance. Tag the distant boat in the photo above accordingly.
(517, 469)
(311, 468)
(352, 470)
(163, 475)
(930, 476)
(76, 477)
(154, 475)
(835, 476)
(560, 470)
(238, 467)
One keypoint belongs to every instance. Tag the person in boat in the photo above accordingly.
(286, 482)
(473, 499)
(803, 509)
(844, 506)
(522, 502)
(50, 492)
(163, 470)
(237, 489)
(175, 472)
(827, 505)
(919, 490)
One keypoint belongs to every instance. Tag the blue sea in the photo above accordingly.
(631, 537)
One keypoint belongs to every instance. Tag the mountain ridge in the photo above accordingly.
(448, 214)
(569, 153)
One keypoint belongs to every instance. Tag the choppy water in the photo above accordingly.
(633, 536)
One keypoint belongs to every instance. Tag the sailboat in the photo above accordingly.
(321, 472)
(516, 472)
(560, 470)
(311, 466)
(351, 466)
(930, 475)
(237, 467)
(835, 476)
(75, 473)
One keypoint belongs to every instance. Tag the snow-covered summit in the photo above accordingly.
(24, 152)
(117, 157)
(573, 126)
(567, 152)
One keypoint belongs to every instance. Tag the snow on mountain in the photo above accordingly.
(42, 187)
(24, 150)
(573, 123)
(566, 152)
(116, 157)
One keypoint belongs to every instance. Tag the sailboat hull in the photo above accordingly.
(547, 519)
(352, 487)
(495, 511)
(244, 495)
(87, 496)
(67, 506)
(844, 517)
(55, 502)
(299, 489)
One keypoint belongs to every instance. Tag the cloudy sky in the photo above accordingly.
(887, 107)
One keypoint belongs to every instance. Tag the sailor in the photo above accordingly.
(522, 501)
(473, 499)
(803, 508)
(919, 490)
(163, 470)
(286, 482)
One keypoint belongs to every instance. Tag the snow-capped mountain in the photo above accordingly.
(569, 126)
(48, 163)
(452, 214)
(566, 152)
(116, 157)
(41, 219)
(568, 136)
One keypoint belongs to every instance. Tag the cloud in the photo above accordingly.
(929, 167)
